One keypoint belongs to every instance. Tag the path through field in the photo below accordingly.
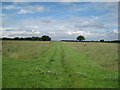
(59, 67)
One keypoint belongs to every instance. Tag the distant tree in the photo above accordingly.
(40, 39)
(102, 40)
(43, 38)
(21, 38)
(28, 38)
(46, 38)
(36, 38)
(80, 38)
(16, 38)
(5, 38)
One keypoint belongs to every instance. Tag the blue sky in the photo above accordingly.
(60, 20)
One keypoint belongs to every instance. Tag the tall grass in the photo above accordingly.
(104, 54)
(25, 49)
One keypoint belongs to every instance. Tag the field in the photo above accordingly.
(55, 64)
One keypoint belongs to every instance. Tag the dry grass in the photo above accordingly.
(105, 54)
(24, 49)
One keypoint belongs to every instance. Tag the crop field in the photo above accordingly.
(56, 64)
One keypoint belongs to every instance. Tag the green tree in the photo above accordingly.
(37, 38)
(46, 38)
(80, 38)
(16, 38)
(102, 40)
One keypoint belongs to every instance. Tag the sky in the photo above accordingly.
(60, 20)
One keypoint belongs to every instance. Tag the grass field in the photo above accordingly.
(104, 54)
(29, 64)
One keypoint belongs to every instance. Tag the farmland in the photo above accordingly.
(104, 54)
(55, 64)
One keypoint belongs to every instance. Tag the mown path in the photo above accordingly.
(73, 69)
(58, 67)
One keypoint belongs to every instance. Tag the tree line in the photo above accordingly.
(47, 38)
(82, 38)
(43, 38)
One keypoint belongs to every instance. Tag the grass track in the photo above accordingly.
(59, 67)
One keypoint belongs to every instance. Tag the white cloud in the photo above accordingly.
(24, 8)
(22, 11)
(92, 27)
(1, 28)
(79, 33)
(92, 24)
(60, 29)
(9, 7)
(115, 31)
(35, 8)
(31, 9)
(52, 32)
(75, 7)
(20, 33)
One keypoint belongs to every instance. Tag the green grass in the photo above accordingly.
(104, 54)
(60, 66)
(0, 64)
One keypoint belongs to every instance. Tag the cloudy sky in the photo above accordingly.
(60, 20)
